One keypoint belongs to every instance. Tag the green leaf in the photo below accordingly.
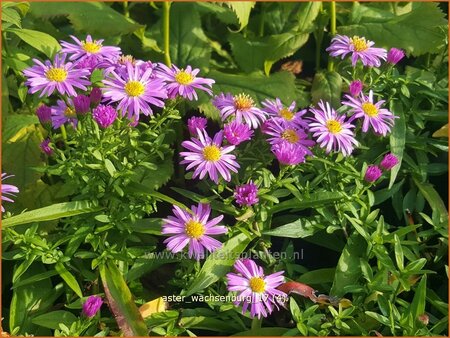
(43, 42)
(95, 18)
(110, 167)
(397, 138)
(419, 301)
(188, 43)
(150, 226)
(218, 263)
(242, 10)
(384, 194)
(398, 253)
(69, 279)
(433, 198)
(157, 178)
(318, 276)
(327, 86)
(263, 332)
(379, 318)
(303, 227)
(51, 212)
(317, 199)
(417, 31)
(52, 319)
(121, 301)
(307, 13)
(348, 270)
(10, 15)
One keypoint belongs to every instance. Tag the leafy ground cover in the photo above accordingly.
(236, 168)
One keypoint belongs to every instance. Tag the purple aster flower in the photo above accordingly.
(134, 90)
(331, 129)
(239, 107)
(246, 194)
(60, 76)
(45, 147)
(63, 113)
(359, 47)
(209, 157)
(88, 49)
(89, 63)
(44, 114)
(7, 190)
(183, 82)
(395, 55)
(389, 161)
(92, 305)
(288, 153)
(372, 173)
(379, 118)
(285, 133)
(355, 87)
(82, 104)
(192, 228)
(289, 115)
(256, 289)
(95, 96)
(236, 133)
(195, 123)
(104, 115)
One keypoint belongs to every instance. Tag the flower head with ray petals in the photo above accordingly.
(59, 75)
(63, 113)
(89, 49)
(194, 229)
(7, 190)
(288, 153)
(380, 119)
(360, 49)
(255, 289)
(288, 115)
(236, 133)
(240, 107)
(331, 129)
(208, 156)
(135, 90)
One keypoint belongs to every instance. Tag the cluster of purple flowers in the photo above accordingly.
(373, 172)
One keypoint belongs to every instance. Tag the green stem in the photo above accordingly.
(64, 133)
(126, 11)
(256, 323)
(261, 20)
(332, 30)
(166, 31)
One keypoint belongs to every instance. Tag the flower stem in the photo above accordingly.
(166, 31)
(332, 30)
(64, 133)
(126, 11)
(256, 323)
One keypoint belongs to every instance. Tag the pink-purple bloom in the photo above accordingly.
(289, 115)
(193, 229)
(63, 113)
(395, 55)
(95, 96)
(45, 147)
(44, 114)
(255, 289)
(239, 107)
(246, 194)
(208, 156)
(389, 161)
(360, 49)
(236, 133)
(135, 91)
(59, 75)
(8, 190)
(380, 119)
(92, 305)
(373, 173)
(331, 129)
(288, 153)
(82, 104)
(104, 115)
(195, 123)
(89, 49)
(281, 132)
(184, 82)
(355, 88)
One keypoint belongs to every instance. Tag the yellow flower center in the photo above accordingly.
(56, 74)
(194, 229)
(334, 126)
(359, 44)
(134, 88)
(91, 47)
(69, 113)
(211, 153)
(184, 78)
(370, 109)
(286, 114)
(290, 135)
(243, 101)
(257, 284)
